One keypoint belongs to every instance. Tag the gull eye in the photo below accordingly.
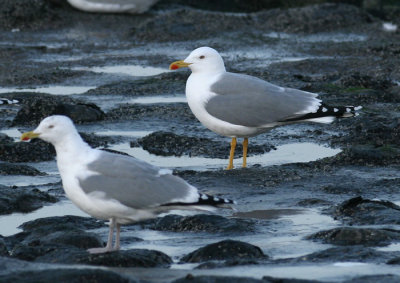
(50, 127)
(202, 57)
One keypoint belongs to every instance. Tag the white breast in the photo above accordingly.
(198, 93)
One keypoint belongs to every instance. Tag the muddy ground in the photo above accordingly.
(317, 202)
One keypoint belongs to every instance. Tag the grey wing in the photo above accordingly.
(135, 183)
(249, 101)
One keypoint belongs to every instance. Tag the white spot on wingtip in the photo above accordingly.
(348, 110)
(203, 197)
(164, 171)
(389, 27)
(335, 110)
(216, 199)
(324, 109)
(358, 108)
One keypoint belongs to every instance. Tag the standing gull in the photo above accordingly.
(115, 187)
(238, 105)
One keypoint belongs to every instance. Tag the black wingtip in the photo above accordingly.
(204, 199)
(328, 111)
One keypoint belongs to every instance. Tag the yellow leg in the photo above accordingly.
(232, 153)
(245, 144)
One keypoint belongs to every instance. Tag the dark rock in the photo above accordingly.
(225, 250)
(128, 258)
(216, 279)
(366, 81)
(227, 263)
(190, 24)
(123, 258)
(160, 84)
(167, 143)
(5, 139)
(61, 223)
(172, 111)
(65, 275)
(3, 248)
(98, 141)
(22, 199)
(18, 169)
(269, 279)
(347, 236)
(345, 253)
(387, 278)
(359, 211)
(33, 151)
(240, 6)
(395, 260)
(24, 14)
(79, 239)
(202, 223)
(40, 109)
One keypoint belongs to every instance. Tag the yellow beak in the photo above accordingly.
(28, 136)
(178, 64)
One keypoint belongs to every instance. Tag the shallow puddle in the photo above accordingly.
(288, 153)
(132, 70)
(158, 99)
(9, 223)
(55, 90)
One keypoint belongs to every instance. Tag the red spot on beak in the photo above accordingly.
(174, 67)
(26, 139)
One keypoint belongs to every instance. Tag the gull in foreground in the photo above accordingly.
(238, 105)
(115, 187)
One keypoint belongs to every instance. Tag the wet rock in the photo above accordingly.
(269, 279)
(315, 18)
(227, 263)
(216, 279)
(188, 24)
(5, 139)
(64, 240)
(167, 144)
(202, 223)
(241, 6)
(22, 199)
(65, 275)
(347, 236)
(172, 111)
(59, 236)
(24, 14)
(365, 81)
(33, 151)
(387, 278)
(360, 211)
(61, 223)
(225, 250)
(18, 169)
(40, 109)
(98, 141)
(161, 84)
(124, 258)
(128, 258)
(346, 253)
(3, 248)
(367, 155)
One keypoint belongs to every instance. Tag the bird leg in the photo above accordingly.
(108, 247)
(245, 144)
(117, 242)
(232, 153)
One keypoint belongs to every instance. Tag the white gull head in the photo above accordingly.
(56, 128)
(205, 59)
